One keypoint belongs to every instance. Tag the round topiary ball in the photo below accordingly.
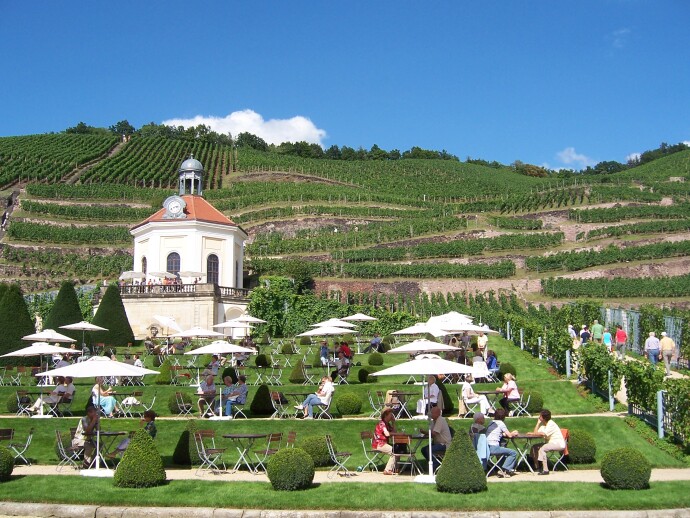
(290, 469)
(375, 359)
(6, 464)
(348, 403)
(12, 405)
(505, 368)
(536, 401)
(315, 446)
(581, 447)
(141, 465)
(261, 360)
(626, 468)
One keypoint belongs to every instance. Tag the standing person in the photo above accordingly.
(379, 441)
(585, 335)
(322, 397)
(621, 341)
(323, 353)
(668, 347)
(429, 395)
(607, 339)
(651, 348)
(571, 332)
(496, 432)
(597, 332)
(549, 430)
(482, 341)
(440, 436)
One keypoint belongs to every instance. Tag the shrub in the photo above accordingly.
(65, 311)
(625, 468)
(581, 447)
(448, 401)
(290, 469)
(350, 339)
(461, 471)
(348, 403)
(163, 376)
(288, 348)
(15, 322)
(12, 406)
(261, 360)
(141, 465)
(536, 401)
(375, 359)
(265, 339)
(304, 340)
(505, 368)
(158, 361)
(6, 464)
(261, 404)
(296, 375)
(172, 402)
(112, 316)
(315, 446)
(364, 375)
(387, 341)
(229, 371)
(185, 449)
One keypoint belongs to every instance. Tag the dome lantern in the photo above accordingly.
(191, 175)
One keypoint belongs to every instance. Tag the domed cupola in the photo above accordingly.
(191, 175)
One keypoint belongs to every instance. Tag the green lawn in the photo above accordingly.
(402, 496)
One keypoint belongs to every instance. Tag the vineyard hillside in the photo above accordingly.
(391, 226)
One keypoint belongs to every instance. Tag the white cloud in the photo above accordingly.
(619, 37)
(273, 131)
(632, 156)
(572, 158)
(686, 142)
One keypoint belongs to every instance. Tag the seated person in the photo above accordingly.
(492, 361)
(149, 423)
(510, 391)
(342, 364)
(429, 395)
(379, 441)
(233, 394)
(84, 436)
(104, 397)
(496, 433)
(550, 431)
(440, 436)
(324, 353)
(207, 393)
(469, 396)
(212, 368)
(54, 397)
(346, 350)
(375, 345)
(322, 397)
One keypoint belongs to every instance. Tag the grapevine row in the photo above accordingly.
(678, 286)
(87, 212)
(40, 233)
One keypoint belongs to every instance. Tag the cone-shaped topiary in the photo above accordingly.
(290, 469)
(461, 471)
(536, 401)
(375, 359)
(111, 315)
(65, 311)
(296, 375)
(163, 376)
(348, 403)
(261, 360)
(448, 402)
(626, 468)
(229, 371)
(505, 368)
(15, 322)
(141, 465)
(581, 447)
(6, 464)
(261, 404)
(315, 446)
(185, 450)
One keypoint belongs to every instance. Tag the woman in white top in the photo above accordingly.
(469, 396)
(429, 396)
(322, 397)
(510, 391)
(550, 431)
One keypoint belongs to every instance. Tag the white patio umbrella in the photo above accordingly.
(198, 332)
(423, 346)
(233, 324)
(326, 331)
(163, 275)
(450, 320)
(359, 317)
(187, 273)
(427, 365)
(422, 328)
(48, 335)
(248, 319)
(220, 347)
(131, 275)
(83, 326)
(168, 322)
(334, 322)
(469, 328)
(94, 367)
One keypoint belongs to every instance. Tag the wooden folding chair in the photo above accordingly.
(279, 408)
(372, 456)
(211, 457)
(405, 459)
(558, 457)
(339, 458)
(68, 455)
(272, 446)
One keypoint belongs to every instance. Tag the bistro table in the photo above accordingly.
(523, 443)
(40, 394)
(416, 441)
(243, 444)
(299, 398)
(208, 398)
(107, 442)
(491, 395)
(402, 399)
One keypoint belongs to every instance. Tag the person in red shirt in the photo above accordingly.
(346, 350)
(380, 440)
(621, 342)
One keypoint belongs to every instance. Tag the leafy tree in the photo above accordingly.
(15, 322)
(112, 316)
(122, 128)
(246, 139)
(65, 310)
(333, 153)
(376, 153)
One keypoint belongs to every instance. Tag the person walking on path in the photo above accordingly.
(651, 348)
(621, 342)
(597, 332)
(668, 347)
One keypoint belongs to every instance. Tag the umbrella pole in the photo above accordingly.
(430, 478)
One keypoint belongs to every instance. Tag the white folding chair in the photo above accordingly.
(338, 458)
(24, 403)
(272, 446)
(68, 455)
(211, 457)
(558, 457)
(480, 371)
(519, 407)
(470, 408)
(376, 409)
(19, 448)
(372, 456)
(279, 408)
(308, 376)
(183, 407)
(321, 411)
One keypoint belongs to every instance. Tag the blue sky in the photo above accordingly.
(561, 83)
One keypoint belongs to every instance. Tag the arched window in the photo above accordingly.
(143, 265)
(173, 263)
(212, 268)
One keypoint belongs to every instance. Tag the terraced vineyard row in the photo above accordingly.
(87, 212)
(49, 157)
(105, 192)
(649, 227)
(320, 210)
(40, 233)
(57, 261)
(620, 287)
(680, 211)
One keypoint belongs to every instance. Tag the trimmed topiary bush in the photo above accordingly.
(626, 468)
(448, 401)
(6, 464)
(505, 368)
(12, 406)
(461, 471)
(112, 316)
(261, 360)
(375, 359)
(290, 469)
(163, 376)
(348, 403)
(536, 401)
(296, 376)
(185, 450)
(261, 404)
(229, 371)
(364, 375)
(581, 447)
(15, 322)
(315, 446)
(288, 348)
(387, 342)
(65, 311)
(141, 465)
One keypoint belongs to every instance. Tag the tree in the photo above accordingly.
(112, 316)
(15, 322)
(65, 311)
(333, 153)
(122, 128)
(246, 139)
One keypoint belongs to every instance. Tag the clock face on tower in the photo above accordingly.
(174, 208)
